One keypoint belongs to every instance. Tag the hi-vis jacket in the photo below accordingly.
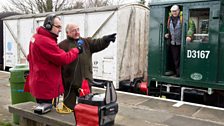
(45, 61)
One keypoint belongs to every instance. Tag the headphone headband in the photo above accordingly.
(49, 21)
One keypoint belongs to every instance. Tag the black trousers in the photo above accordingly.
(70, 95)
(44, 101)
(175, 51)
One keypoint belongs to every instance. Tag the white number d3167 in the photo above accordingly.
(200, 54)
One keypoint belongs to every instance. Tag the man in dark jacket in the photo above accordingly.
(81, 69)
(45, 61)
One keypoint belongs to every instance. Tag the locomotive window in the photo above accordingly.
(201, 19)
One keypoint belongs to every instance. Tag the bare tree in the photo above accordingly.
(26, 6)
(41, 6)
(96, 3)
(142, 2)
(76, 5)
(44, 6)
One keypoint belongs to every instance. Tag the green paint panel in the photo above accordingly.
(156, 19)
(198, 59)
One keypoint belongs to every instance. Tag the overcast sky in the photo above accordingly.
(5, 2)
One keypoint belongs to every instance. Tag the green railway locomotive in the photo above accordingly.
(201, 60)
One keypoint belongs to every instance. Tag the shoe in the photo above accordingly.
(169, 73)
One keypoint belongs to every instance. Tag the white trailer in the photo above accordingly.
(126, 59)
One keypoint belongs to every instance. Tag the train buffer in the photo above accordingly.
(134, 110)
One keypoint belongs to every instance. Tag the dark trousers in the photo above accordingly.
(175, 51)
(44, 101)
(70, 94)
(70, 97)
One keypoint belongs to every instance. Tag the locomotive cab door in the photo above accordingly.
(199, 59)
(155, 56)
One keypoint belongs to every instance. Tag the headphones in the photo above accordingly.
(49, 21)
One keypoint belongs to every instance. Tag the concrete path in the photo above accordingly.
(5, 97)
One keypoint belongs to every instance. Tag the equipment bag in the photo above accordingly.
(97, 99)
(97, 109)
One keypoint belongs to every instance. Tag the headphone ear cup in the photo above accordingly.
(48, 22)
(48, 26)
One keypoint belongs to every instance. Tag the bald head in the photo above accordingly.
(174, 8)
(72, 30)
(175, 11)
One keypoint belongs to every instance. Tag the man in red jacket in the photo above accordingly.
(45, 61)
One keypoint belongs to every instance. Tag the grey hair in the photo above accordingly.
(67, 29)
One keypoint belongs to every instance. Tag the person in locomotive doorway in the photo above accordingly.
(80, 71)
(174, 26)
(46, 59)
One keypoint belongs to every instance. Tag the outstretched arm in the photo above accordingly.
(101, 43)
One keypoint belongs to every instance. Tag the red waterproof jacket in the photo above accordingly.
(45, 61)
